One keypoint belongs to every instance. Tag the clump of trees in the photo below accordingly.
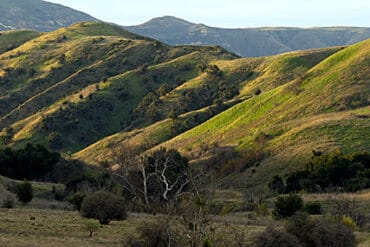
(103, 206)
(326, 172)
(30, 162)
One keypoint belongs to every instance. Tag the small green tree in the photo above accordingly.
(103, 206)
(24, 192)
(286, 206)
(76, 199)
(91, 227)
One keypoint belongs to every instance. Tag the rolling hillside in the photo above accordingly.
(249, 42)
(326, 108)
(88, 88)
(37, 15)
(84, 82)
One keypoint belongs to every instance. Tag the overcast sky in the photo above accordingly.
(231, 13)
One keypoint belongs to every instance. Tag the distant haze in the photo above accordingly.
(231, 13)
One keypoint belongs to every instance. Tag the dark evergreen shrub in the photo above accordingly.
(286, 206)
(24, 192)
(103, 206)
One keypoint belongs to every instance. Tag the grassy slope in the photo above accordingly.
(260, 72)
(12, 39)
(324, 109)
(56, 59)
(93, 91)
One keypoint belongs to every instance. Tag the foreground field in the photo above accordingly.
(40, 227)
(36, 227)
(45, 227)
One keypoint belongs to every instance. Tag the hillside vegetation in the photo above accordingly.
(88, 88)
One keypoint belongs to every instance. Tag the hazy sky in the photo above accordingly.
(231, 13)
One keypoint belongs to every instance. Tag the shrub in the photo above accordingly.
(277, 185)
(8, 202)
(59, 193)
(151, 234)
(76, 199)
(349, 222)
(257, 91)
(103, 206)
(24, 192)
(313, 208)
(55, 140)
(262, 210)
(275, 237)
(286, 206)
(320, 232)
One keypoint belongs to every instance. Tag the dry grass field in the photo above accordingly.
(53, 228)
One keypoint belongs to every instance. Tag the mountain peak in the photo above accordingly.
(168, 19)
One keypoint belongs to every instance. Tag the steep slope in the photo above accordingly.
(246, 73)
(37, 15)
(325, 109)
(249, 42)
(87, 81)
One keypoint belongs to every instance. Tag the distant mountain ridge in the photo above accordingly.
(249, 42)
(37, 15)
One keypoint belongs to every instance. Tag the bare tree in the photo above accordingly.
(151, 178)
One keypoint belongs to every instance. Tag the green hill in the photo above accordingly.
(248, 74)
(84, 82)
(325, 109)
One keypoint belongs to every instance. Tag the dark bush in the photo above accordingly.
(286, 206)
(151, 234)
(312, 208)
(275, 237)
(24, 192)
(277, 185)
(257, 91)
(103, 206)
(320, 233)
(59, 193)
